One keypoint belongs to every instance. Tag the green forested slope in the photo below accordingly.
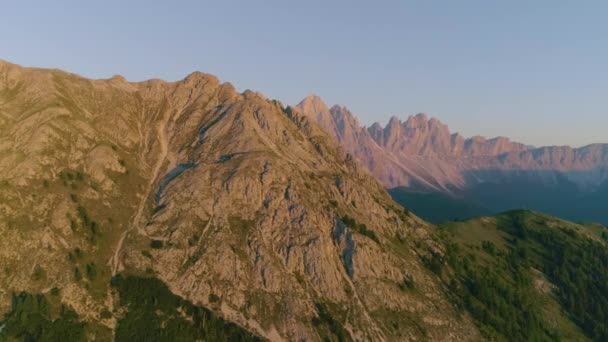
(527, 276)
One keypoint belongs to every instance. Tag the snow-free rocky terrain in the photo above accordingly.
(234, 212)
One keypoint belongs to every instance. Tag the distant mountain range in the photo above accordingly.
(419, 159)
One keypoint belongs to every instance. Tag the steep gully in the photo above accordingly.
(136, 220)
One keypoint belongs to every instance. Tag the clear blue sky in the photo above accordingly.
(536, 71)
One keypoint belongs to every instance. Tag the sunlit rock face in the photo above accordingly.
(235, 202)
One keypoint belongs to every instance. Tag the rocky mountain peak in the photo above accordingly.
(341, 113)
(393, 122)
(118, 78)
(376, 131)
(315, 108)
(313, 103)
(239, 206)
(419, 120)
(200, 79)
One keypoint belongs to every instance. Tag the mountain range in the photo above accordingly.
(187, 211)
(420, 159)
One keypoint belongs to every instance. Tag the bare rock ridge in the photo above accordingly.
(421, 154)
(237, 203)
